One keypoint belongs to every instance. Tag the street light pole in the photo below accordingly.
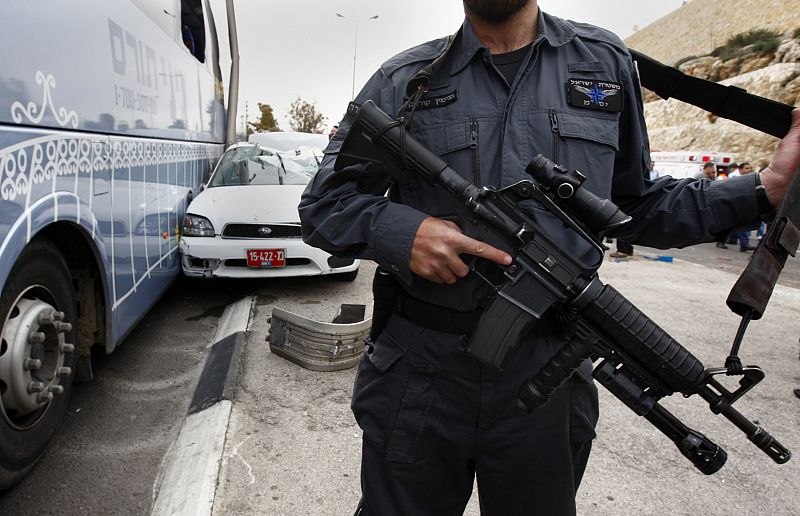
(355, 47)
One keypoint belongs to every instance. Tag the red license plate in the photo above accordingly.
(266, 258)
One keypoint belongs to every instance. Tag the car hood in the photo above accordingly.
(243, 204)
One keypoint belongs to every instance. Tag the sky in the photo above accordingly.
(301, 48)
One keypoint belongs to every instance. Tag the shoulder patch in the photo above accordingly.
(424, 52)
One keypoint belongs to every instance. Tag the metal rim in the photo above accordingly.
(32, 357)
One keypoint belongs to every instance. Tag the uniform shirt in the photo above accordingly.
(489, 130)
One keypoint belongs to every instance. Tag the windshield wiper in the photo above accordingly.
(280, 175)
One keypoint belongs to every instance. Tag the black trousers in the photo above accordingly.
(434, 420)
(624, 247)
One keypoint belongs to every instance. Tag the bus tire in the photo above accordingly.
(39, 316)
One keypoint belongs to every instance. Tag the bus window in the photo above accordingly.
(193, 28)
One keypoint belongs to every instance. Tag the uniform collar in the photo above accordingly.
(554, 30)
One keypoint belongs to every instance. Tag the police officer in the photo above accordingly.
(515, 82)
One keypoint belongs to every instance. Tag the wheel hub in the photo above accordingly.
(32, 357)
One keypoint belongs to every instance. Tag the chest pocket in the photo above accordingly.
(587, 142)
(456, 142)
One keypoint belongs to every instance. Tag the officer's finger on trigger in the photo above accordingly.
(458, 267)
(484, 250)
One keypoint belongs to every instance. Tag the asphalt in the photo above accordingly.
(292, 447)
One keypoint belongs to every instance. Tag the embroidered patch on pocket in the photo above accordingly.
(594, 94)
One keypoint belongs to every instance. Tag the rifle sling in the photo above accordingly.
(754, 287)
(752, 290)
(765, 115)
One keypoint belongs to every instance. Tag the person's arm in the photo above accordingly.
(781, 170)
(675, 213)
(347, 214)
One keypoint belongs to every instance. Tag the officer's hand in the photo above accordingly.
(436, 249)
(785, 161)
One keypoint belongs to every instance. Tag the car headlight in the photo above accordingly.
(197, 226)
(153, 225)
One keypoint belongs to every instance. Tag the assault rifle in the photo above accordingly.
(640, 363)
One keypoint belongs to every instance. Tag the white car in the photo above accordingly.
(245, 224)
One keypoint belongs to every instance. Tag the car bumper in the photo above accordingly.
(205, 257)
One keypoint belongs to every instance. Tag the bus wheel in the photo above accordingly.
(38, 312)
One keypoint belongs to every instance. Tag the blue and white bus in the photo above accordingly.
(111, 118)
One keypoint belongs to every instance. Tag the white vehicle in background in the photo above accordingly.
(286, 141)
(245, 223)
(682, 164)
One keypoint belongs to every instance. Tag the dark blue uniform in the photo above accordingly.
(434, 419)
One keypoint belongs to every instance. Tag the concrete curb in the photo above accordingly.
(187, 482)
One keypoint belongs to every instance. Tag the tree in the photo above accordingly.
(266, 121)
(304, 117)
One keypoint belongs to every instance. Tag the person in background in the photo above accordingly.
(654, 174)
(720, 175)
(742, 237)
(332, 132)
(709, 172)
(188, 39)
(624, 248)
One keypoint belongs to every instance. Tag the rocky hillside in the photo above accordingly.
(700, 26)
(763, 59)
(674, 125)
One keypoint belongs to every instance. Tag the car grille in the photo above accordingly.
(256, 231)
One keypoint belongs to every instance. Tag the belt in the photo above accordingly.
(439, 318)
(435, 317)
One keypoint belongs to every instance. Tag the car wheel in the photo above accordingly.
(347, 276)
(38, 312)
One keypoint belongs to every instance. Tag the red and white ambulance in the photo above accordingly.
(680, 164)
